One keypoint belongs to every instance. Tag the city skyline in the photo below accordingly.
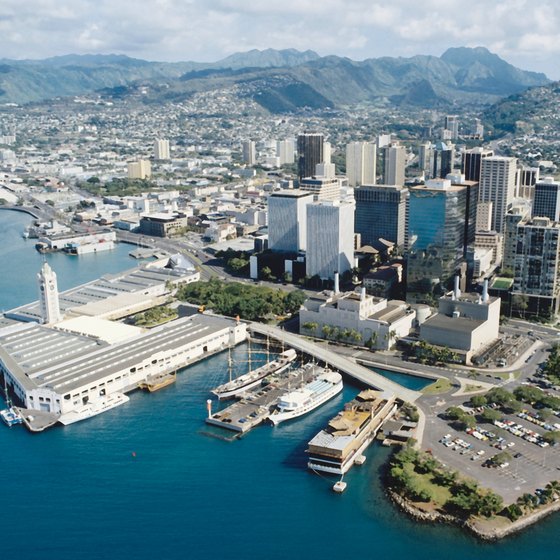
(168, 30)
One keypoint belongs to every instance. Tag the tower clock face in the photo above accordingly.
(51, 287)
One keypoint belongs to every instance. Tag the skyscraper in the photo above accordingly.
(249, 152)
(161, 149)
(394, 162)
(452, 126)
(287, 220)
(437, 214)
(536, 267)
(48, 295)
(546, 203)
(141, 169)
(472, 163)
(285, 151)
(310, 153)
(425, 155)
(330, 238)
(497, 185)
(443, 155)
(381, 213)
(361, 165)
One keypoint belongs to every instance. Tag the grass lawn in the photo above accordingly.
(442, 385)
(473, 388)
(439, 494)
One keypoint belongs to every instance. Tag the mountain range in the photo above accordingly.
(279, 80)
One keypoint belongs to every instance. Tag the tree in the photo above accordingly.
(490, 415)
(310, 326)
(478, 400)
(266, 273)
(527, 501)
(552, 437)
(520, 303)
(513, 512)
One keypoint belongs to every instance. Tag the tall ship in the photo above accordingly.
(340, 445)
(313, 394)
(251, 379)
(93, 408)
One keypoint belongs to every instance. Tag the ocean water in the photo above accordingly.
(149, 480)
(414, 382)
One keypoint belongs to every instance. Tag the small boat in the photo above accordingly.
(360, 460)
(11, 416)
(158, 381)
(307, 398)
(253, 378)
(339, 486)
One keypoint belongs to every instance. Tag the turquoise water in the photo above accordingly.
(413, 382)
(79, 493)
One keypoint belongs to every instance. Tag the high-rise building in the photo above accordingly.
(527, 178)
(322, 187)
(161, 149)
(521, 211)
(443, 155)
(472, 163)
(330, 238)
(249, 152)
(48, 295)
(141, 169)
(285, 150)
(381, 213)
(484, 216)
(394, 162)
(497, 185)
(425, 157)
(436, 236)
(546, 203)
(451, 124)
(310, 153)
(361, 163)
(536, 286)
(287, 220)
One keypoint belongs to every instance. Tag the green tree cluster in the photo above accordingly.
(461, 420)
(154, 316)
(427, 354)
(254, 303)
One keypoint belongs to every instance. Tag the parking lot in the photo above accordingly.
(529, 468)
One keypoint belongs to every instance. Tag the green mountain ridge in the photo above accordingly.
(280, 81)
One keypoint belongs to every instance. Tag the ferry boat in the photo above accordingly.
(307, 398)
(156, 382)
(253, 378)
(94, 407)
(341, 444)
(11, 416)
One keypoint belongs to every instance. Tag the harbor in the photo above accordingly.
(257, 404)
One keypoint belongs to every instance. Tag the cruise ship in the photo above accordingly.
(253, 378)
(340, 445)
(307, 398)
(94, 407)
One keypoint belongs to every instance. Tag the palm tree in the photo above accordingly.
(527, 501)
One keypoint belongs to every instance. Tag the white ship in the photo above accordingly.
(92, 408)
(253, 378)
(301, 401)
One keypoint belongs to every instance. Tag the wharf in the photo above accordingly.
(257, 404)
(37, 420)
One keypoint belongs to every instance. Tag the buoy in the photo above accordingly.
(134, 453)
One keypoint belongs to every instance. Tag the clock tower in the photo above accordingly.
(48, 295)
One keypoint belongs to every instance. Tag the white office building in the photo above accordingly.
(330, 238)
(287, 220)
(361, 163)
(497, 185)
(161, 149)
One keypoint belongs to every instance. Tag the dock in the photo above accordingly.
(359, 373)
(257, 404)
(37, 420)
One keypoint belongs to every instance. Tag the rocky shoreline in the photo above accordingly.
(480, 528)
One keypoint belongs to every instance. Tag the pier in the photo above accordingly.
(257, 404)
(343, 364)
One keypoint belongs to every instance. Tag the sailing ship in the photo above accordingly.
(251, 379)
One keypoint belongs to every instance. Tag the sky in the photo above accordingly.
(523, 32)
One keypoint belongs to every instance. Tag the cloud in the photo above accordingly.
(522, 31)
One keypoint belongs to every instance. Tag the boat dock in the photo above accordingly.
(257, 404)
(37, 420)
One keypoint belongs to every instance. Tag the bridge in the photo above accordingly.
(341, 363)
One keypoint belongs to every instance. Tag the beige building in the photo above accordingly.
(379, 322)
(141, 169)
(465, 323)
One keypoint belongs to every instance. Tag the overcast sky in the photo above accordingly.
(524, 32)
